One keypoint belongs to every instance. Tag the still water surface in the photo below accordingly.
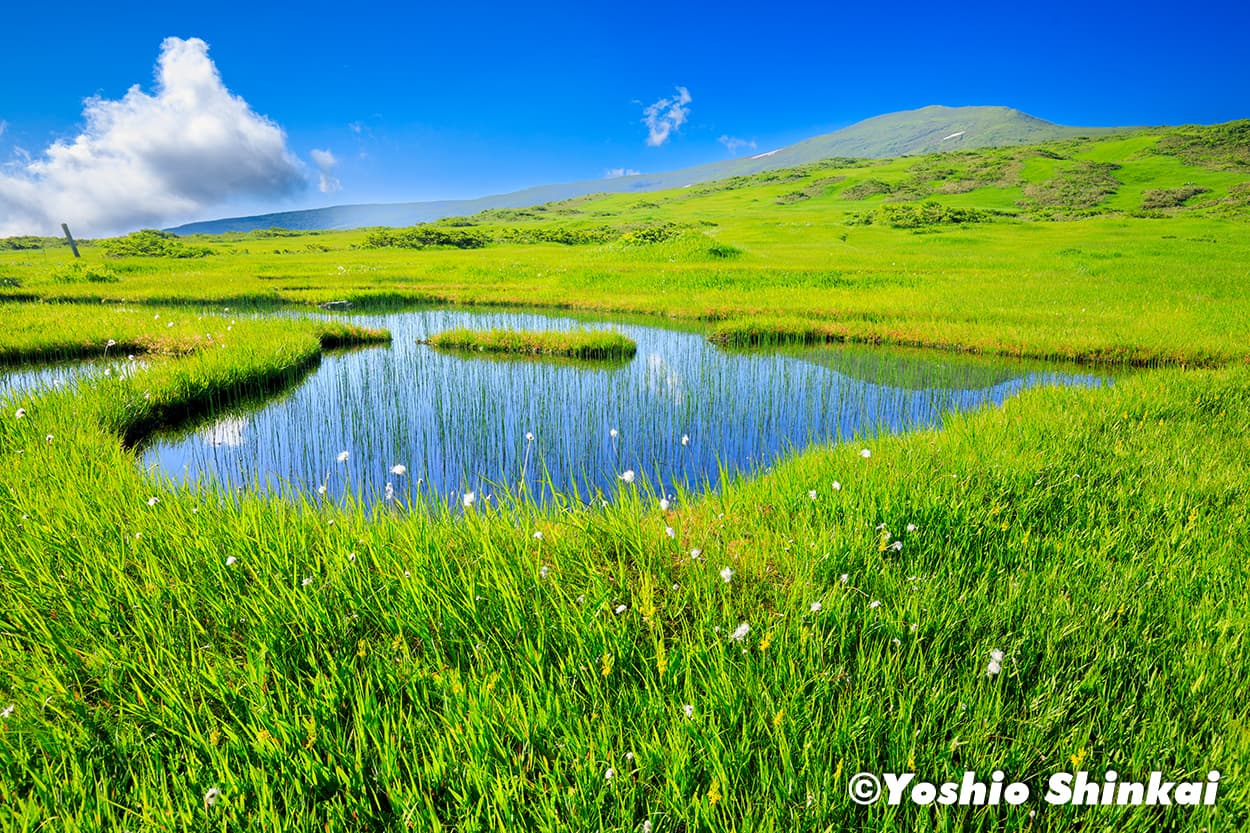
(458, 423)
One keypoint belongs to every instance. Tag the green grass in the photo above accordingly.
(330, 667)
(575, 344)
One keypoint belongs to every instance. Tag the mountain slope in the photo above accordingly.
(908, 132)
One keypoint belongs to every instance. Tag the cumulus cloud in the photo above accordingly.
(665, 116)
(150, 158)
(325, 162)
(614, 173)
(733, 144)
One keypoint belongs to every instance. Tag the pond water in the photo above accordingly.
(18, 380)
(682, 411)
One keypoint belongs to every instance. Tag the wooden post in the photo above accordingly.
(70, 238)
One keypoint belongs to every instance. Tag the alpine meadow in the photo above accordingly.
(663, 510)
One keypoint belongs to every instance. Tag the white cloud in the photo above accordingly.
(614, 173)
(325, 162)
(734, 144)
(148, 159)
(665, 116)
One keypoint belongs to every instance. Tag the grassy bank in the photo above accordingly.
(319, 665)
(574, 344)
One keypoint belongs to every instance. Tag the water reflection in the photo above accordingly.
(458, 422)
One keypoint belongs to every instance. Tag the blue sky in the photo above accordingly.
(448, 100)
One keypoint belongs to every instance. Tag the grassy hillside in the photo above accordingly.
(1054, 585)
(926, 130)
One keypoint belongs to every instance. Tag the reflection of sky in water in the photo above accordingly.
(459, 423)
(18, 380)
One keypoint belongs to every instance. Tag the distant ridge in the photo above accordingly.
(908, 132)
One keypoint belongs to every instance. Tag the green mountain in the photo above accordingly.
(909, 132)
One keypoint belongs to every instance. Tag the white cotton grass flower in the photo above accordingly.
(646, 826)
(538, 535)
(231, 561)
(210, 797)
(343, 455)
(727, 574)
(543, 571)
(467, 500)
(740, 632)
(619, 609)
(399, 469)
(865, 453)
(695, 553)
(874, 604)
(837, 487)
(152, 501)
(685, 439)
(50, 438)
(390, 492)
(609, 774)
(688, 709)
(321, 490)
(670, 532)
(8, 711)
(613, 433)
(897, 546)
(844, 578)
(20, 413)
(664, 504)
(307, 581)
(627, 476)
(811, 493)
(815, 607)
(995, 664)
(911, 527)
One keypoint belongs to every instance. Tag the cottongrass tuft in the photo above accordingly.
(210, 797)
(815, 607)
(619, 609)
(399, 469)
(627, 475)
(727, 574)
(343, 455)
(865, 453)
(152, 501)
(467, 500)
(688, 709)
(740, 632)
(307, 581)
(995, 665)
(664, 504)
(538, 535)
(543, 571)
(230, 562)
(8, 711)
(670, 532)
(609, 774)
(685, 439)
(874, 604)
(20, 413)
(811, 493)
(837, 487)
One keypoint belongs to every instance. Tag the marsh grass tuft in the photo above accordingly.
(574, 344)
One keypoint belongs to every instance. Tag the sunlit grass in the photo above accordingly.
(576, 344)
(1057, 583)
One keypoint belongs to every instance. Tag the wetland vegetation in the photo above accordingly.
(1055, 582)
